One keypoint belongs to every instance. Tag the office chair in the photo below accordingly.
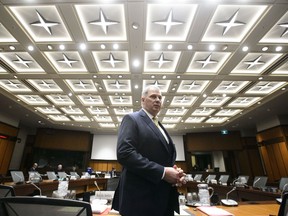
(223, 179)
(283, 183)
(283, 210)
(209, 178)
(35, 206)
(260, 181)
(112, 184)
(6, 191)
(197, 177)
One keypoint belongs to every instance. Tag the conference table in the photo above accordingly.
(262, 208)
(47, 187)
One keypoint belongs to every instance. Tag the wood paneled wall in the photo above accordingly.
(7, 146)
(273, 148)
(63, 139)
(214, 141)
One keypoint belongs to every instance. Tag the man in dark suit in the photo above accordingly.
(149, 179)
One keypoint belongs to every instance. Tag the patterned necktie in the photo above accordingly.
(155, 120)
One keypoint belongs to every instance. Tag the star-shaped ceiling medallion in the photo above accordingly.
(112, 60)
(161, 60)
(207, 61)
(22, 61)
(67, 61)
(42, 22)
(254, 62)
(103, 22)
(168, 22)
(284, 25)
(230, 23)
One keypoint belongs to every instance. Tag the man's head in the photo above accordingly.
(151, 99)
(35, 165)
(59, 167)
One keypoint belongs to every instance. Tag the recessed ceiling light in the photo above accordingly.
(225, 47)
(178, 77)
(278, 48)
(12, 47)
(189, 47)
(212, 47)
(50, 47)
(103, 46)
(70, 94)
(116, 46)
(136, 86)
(245, 48)
(264, 48)
(61, 47)
(30, 48)
(157, 46)
(164, 77)
(83, 46)
(260, 78)
(136, 63)
(170, 46)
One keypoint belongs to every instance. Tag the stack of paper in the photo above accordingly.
(214, 211)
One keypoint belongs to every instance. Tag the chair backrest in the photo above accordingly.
(17, 176)
(6, 191)
(51, 175)
(283, 210)
(35, 206)
(62, 175)
(197, 177)
(223, 179)
(243, 179)
(210, 177)
(283, 182)
(112, 184)
(260, 181)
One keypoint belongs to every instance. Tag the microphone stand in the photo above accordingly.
(40, 192)
(229, 202)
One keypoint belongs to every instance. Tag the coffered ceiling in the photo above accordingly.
(83, 64)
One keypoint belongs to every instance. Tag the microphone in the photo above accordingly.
(229, 202)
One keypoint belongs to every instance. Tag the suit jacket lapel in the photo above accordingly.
(156, 130)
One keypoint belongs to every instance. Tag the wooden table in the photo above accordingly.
(48, 186)
(240, 194)
(244, 209)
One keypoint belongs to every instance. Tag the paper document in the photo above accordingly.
(214, 211)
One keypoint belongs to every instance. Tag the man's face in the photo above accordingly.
(152, 102)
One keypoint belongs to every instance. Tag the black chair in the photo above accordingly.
(283, 210)
(112, 184)
(6, 191)
(283, 184)
(35, 206)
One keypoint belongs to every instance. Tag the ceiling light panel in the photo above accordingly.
(112, 61)
(230, 87)
(48, 110)
(34, 100)
(21, 62)
(66, 61)
(14, 86)
(5, 35)
(265, 87)
(195, 119)
(60, 99)
(122, 111)
(203, 111)
(103, 22)
(244, 102)
(72, 110)
(192, 86)
(278, 33)
(43, 23)
(90, 100)
(45, 85)
(214, 101)
(169, 22)
(81, 85)
(183, 100)
(255, 63)
(206, 62)
(231, 23)
(117, 85)
(98, 111)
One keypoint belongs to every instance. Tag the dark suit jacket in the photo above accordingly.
(143, 152)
